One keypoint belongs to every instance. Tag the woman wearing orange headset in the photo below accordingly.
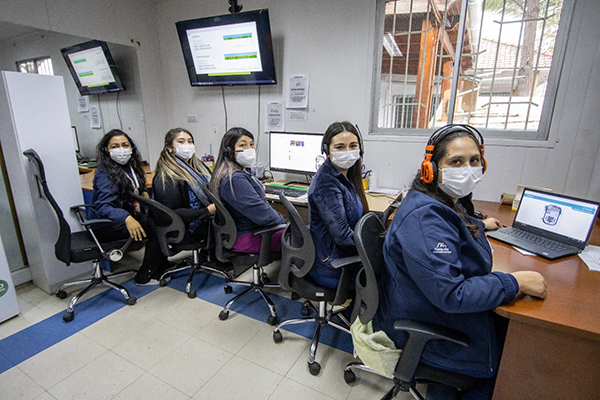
(336, 201)
(439, 265)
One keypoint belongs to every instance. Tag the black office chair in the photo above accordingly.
(409, 371)
(225, 233)
(297, 258)
(82, 246)
(173, 238)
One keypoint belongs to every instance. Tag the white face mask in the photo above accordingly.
(246, 158)
(459, 182)
(185, 151)
(345, 159)
(120, 155)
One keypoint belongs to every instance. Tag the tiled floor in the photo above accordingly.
(169, 347)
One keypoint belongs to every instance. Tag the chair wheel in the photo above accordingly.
(61, 294)
(265, 278)
(131, 301)
(192, 294)
(295, 296)
(163, 283)
(272, 320)
(277, 337)
(305, 310)
(228, 289)
(68, 316)
(223, 315)
(349, 376)
(314, 368)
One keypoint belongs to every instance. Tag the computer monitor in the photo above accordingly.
(294, 152)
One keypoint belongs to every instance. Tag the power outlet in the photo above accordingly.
(191, 118)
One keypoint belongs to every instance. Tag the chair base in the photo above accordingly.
(259, 282)
(350, 377)
(322, 319)
(195, 266)
(99, 278)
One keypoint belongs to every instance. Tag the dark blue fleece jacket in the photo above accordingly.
(437, 272)
(334, 210)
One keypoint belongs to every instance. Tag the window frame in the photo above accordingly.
(540, 138)
(35, 61)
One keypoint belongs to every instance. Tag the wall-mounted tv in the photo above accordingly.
(232, 49)
(92, 68)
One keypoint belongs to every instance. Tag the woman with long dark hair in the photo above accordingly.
(438, 265)
(241, 193)
(336, 200)
(178, 182)
(120, 172)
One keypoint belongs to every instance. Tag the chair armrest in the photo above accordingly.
(346, 261)
(96, 221)
(419, 333)
(269, 229)
(78, 206)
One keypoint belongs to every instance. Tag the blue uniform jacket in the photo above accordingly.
(437, 272)
(334, 210)
(247, 204)
(106, 200)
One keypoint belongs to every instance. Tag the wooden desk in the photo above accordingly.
(87, 179)
(552, 348)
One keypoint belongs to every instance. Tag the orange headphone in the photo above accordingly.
(429, 170)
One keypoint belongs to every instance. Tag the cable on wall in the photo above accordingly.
(118, 111)
(224, 106)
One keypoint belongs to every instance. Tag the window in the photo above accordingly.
(505, 81)
(42, 66)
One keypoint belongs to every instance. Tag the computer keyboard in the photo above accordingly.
(539, 240)
(286, 190)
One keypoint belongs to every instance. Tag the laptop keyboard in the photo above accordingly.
(538, 240)
(287, 191)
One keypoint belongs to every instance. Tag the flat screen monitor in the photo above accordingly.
(232, 49)
(92, 68)
(292, 152)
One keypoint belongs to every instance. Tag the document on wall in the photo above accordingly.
(83, 104)
(298, 92)
(95, 121)
(298, 115)
(275, 120)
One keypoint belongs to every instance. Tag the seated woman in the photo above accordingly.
(439, 266)
(241, 193)
(120, 173)
(178, 182)
(336, 200)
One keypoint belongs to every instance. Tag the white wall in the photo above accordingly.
(332, 41)
(46, 43)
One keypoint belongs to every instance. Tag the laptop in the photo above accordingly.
(550, 225)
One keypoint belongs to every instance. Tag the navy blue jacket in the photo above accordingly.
(247, 203)
(437, 272)
(106, 200)
(334, 210)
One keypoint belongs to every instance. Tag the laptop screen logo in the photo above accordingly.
(551, 214)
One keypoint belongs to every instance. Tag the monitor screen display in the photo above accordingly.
(232, 49)
(92, 68)
(298, 153)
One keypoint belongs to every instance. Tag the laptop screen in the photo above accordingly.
(558, 214)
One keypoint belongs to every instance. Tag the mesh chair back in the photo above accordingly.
(62, 247)
(297, 248)
(168, 227)
(368, 236)
(225, 231)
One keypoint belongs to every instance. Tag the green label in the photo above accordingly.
(3, 287)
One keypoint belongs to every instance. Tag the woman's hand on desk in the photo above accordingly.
(491, 224)
(135, 229)
(531, 283)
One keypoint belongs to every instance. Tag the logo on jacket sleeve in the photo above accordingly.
(441, 248)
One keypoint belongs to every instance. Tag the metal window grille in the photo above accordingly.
(499, 80)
